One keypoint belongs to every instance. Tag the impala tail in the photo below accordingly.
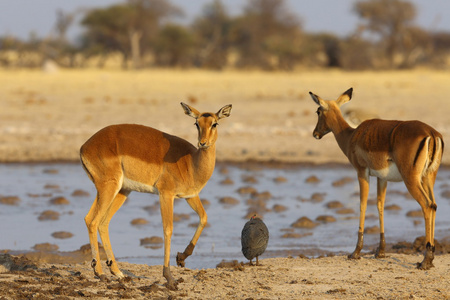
(432, 147)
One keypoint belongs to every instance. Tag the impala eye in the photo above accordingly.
(214, 125)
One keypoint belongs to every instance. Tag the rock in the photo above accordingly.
(49, 215)
(51, 186)
(304, 222)
(262, 196)
(227, 181)
(280, 179)
(393, 207)
(317, 197)
(326, 219)
(279, 208)
(10, 200)
(80, 193)
(343, 181)
(345, 211)
(206, 203)
(249, 179)
(228, 201)
(312, 179)
(180, 217)
(151, 240)
(372, 230)
(62, 235)
(50, 171)
(247, 190)
(445, 194)
(139, 221)
(415, 214)
(334, 204)
(46, 247)
(59, 201)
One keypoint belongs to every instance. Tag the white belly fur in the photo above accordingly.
(132, 185)
(390, 173)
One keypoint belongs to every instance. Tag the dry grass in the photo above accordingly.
(48, 116)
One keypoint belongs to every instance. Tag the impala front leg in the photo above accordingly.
(363, 194)
(196, 204)
(166, 203)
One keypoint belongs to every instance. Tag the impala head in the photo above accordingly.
(328, 111)
(206, 123)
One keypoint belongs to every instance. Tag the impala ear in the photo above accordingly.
(224, 112)
(190, 111)
(345, 97)
(319, 100)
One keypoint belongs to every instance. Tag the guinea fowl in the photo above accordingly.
(254, 238)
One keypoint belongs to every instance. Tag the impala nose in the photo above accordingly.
(202, 144)
(316, 135)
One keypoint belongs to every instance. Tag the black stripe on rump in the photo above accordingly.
(421, 145)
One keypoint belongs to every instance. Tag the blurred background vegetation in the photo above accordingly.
(266, 35)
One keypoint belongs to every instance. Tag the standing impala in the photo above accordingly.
(408, 151)
(124, 158)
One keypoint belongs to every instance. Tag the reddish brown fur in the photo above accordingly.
(409, 151)
(124, 158)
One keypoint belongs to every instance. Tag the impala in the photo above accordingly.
(408, 151)
(123, 158)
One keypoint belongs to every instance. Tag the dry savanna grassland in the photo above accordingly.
(47, 116)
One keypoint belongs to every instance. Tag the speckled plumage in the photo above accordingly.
(254, 239)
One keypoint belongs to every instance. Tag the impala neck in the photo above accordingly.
(204, 162)
(342, 132)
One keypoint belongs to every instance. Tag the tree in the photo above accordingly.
(389, 19)
(267, 35)
(128, 28)
(173, 46)
(212, 32)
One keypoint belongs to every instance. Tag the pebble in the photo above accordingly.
(59, 201)
(49, 215)
(139, 221)
(326, 219)
(312, 179)
(62, 235)
(228, 201)
(343, 181)
(415, 214)
(10, 200)
(80, 193)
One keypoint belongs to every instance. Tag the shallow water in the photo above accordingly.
(36, 184)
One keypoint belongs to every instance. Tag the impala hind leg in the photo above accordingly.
(93, 219)
(104, 231)
(381, 197)
(197, 206)
(166, 204)
(425, 197)
(363, 179)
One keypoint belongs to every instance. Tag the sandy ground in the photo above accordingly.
(47, 117)
(394, 277)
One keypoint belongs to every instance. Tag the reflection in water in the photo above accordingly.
(282, 196)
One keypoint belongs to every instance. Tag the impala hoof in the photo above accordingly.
(180, 259)
(354, 256)
(380, 254)
(173, 286)
(103, 278)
